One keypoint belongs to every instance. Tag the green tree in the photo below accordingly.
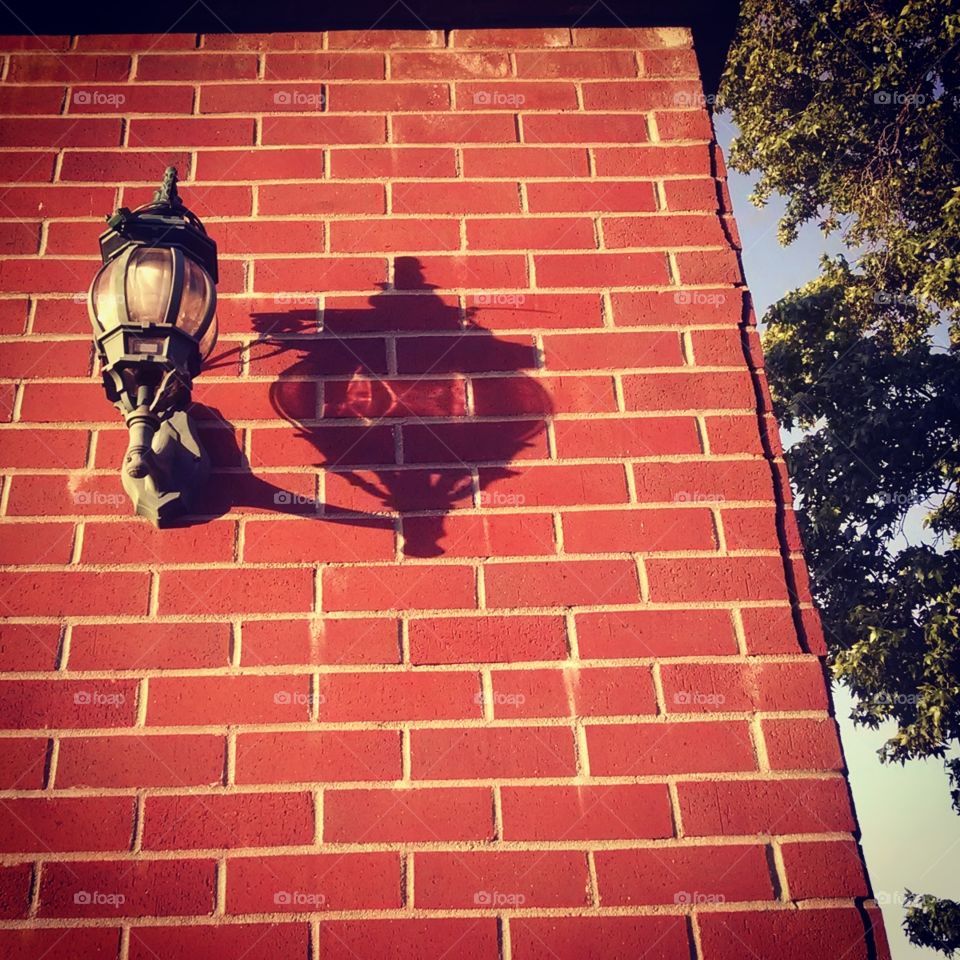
(851, 111)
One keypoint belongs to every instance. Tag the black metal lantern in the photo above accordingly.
(152, 305)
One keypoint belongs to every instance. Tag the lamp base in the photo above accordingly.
(176, 469)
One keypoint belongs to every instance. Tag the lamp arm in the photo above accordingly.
(143, 425)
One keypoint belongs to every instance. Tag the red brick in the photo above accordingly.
(448, 65)
(593, 196)
(655, 633)
(525, 233)
(30, 543)
(689, 391)
(757, 806)
(455, 198)
(709, 266)
(515, 95)
(390, 97)
(664, 232)
(599, 938)
(32, 41)
(474, 272)
(148, 888)
(185, 701)
(600, 269)
(26, 166)
(19, 238)
(332, 356)
(544, 395)
(325, 66)
(830, 869)
(67, 68)
(277, 642)
(379, 697)
(582, 128)
(778, 685)
(684, 124)
(23, 767)
(261, 97)
(626, 437)
(195, 131)
(197, 66)
(241, 238)
(392, 163)
(512, 38)
(64, 824)
(218, 820)
(60, 943)
(334, 881)
(454, 128)
(600, 351)
(644, 749)
(678, 875)
(140, 761)
(149, 646)
(483, 753)
(704, 482)
(573, 692)
(324, 755)
(136, 41)
(31, 100)
(409, 587)
(13, 316)
(254, 942)
(653, 160)
(643, 94)
(383, 39)
(245, 590)
(474, 441)
(396, 311)
(466, 880)
(323, 130)
(43, 275)
(487, 639)
(523, 162)
(640, 38)
(407, 816)
(576, 64)
(718, 306)
(747, 578)
(259, 163)
(770, 630)
(127, 99)
(678, 61)
(60, 131)
(552, 485)
(521, 535)
(404, 939)
(786, 934)
(33, 646)
(317, 540)
(15, 882)
(76, 594)
(608, 812)
(700, 194)
(802, 744)
(475, 352)
(394, 398)
(561, 583)
(643, 531)
(327, 273)
(398, 491)
(392, 235)
(135, 542)
(37, 704)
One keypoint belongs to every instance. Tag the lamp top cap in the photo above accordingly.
(167, 192)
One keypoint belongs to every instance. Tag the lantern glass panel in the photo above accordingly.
(195, 299)
(209, 338)
(149, 284)
(105, 297)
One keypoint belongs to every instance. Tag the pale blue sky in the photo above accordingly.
(911, 837)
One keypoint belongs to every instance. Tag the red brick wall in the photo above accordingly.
(491, 640)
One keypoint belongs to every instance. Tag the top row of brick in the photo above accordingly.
(639, 38)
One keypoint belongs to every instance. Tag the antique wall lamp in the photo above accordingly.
(152, 305)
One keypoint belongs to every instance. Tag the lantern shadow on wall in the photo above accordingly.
(451, 454)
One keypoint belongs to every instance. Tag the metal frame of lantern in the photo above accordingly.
(153, 309)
